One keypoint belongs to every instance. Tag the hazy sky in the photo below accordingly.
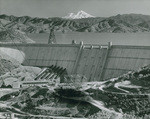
(60, 8)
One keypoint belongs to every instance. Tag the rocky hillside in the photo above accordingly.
(13, 35)
(40, 25)
(7, 63)
(12, 71)
(115, 24)
(44, 102)
(128, 93)
(122, 23)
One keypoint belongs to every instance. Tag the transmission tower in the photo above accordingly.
(51, 39)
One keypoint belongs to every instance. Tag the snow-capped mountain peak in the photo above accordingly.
(81, 14)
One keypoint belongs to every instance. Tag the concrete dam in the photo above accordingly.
(95, 62)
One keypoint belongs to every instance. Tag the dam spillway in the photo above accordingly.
(95, 62)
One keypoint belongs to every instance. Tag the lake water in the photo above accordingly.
(142, 39)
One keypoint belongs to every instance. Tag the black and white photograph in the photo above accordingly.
(74, 59)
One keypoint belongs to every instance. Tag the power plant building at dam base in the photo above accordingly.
(95, 62)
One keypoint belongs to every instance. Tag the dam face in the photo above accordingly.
(95, 62)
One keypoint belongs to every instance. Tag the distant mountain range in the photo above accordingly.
(80, 22)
